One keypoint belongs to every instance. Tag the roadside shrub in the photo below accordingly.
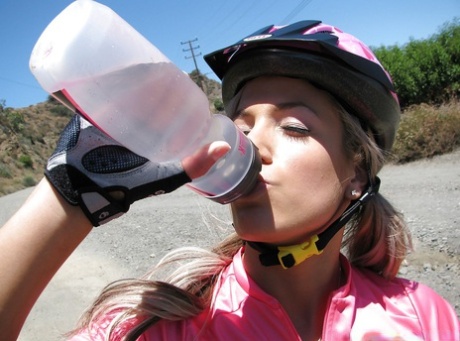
(16, 120)
(28, 181)
(11, 120)
(5, 172)
(26, 161)
(218, 105)
(426, 131)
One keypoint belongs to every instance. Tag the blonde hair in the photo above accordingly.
(133, 305)
(376, 239)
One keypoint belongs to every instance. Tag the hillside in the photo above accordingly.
(28, 137)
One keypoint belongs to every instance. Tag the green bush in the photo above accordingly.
(426, 71)
(218, 105)
(60, 110)
(16, 120)
(26, 161)
(5, 172)
(10, 119)
(28, 181)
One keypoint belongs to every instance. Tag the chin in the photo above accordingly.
(253, 228)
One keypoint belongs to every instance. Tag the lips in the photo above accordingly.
(259, 189)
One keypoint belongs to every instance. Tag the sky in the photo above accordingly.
(214, 24)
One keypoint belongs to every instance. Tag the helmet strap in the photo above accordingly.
(289, 256)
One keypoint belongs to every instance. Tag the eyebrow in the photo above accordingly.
(279, 106)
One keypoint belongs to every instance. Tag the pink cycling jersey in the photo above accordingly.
(367, 307)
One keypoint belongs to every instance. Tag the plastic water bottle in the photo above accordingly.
(95, 63)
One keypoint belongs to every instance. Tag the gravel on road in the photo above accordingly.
(427, 192)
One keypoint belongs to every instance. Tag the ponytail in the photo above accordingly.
(377, 238)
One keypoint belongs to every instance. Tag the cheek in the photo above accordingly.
(307, 163)
(311, 175)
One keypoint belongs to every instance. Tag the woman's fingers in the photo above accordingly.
(201, 161)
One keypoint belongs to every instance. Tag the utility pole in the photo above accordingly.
(193, 56)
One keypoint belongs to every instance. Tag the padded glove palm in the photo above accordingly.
(92, 170)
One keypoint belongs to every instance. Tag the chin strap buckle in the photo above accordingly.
(290, 256)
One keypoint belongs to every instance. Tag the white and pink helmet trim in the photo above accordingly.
(322, 54)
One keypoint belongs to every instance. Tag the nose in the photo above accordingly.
(262, 139)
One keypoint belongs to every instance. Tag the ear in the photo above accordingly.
(357, 184)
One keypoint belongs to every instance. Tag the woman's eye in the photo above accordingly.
(245, 129)
(296, 130)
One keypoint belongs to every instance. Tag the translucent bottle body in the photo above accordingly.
(153, 109)
(97, 64)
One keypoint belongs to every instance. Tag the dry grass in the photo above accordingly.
(426, 131)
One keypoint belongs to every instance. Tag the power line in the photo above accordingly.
(227, 16)
(246, 11)
(295, 11)
(19, 83)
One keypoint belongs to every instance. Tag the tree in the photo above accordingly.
(425, 71)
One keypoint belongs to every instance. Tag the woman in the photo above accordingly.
(323, 114)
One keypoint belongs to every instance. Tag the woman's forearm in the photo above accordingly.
(34, 243)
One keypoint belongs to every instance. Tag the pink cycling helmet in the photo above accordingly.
(325, 56)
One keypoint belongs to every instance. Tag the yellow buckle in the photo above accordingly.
(290, 256)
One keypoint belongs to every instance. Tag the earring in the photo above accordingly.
(354, 192)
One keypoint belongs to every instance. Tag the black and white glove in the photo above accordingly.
(90, 169)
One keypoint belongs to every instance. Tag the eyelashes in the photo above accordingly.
(296, 131)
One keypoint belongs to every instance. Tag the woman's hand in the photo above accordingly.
(199, 163)
(42, 234)
(93, 171)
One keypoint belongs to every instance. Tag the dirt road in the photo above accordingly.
(427, 192)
